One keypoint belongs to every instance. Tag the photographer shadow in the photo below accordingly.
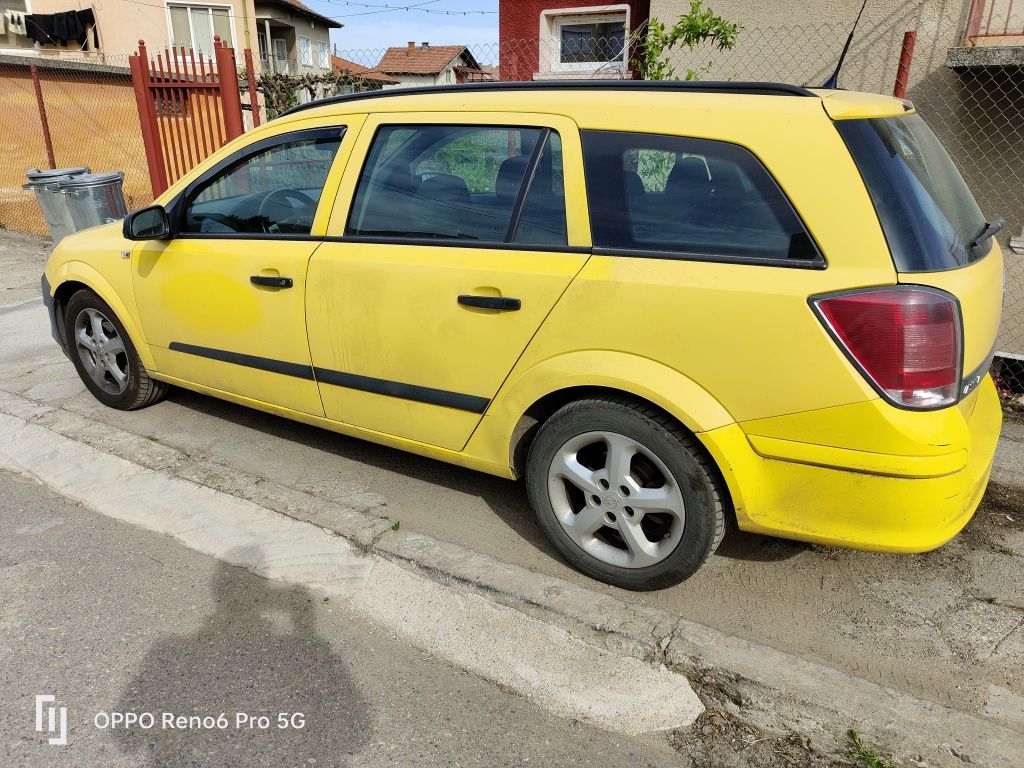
(258, 654)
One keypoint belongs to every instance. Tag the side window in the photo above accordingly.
(457, 182)
(543, 218)
(689, 196)
(274, 190)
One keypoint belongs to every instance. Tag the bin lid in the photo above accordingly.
(92, 180)
(35, 174)
(48, 183)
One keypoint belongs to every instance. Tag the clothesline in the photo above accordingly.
(55, 28)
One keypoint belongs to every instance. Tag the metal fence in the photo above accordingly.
(978, 112)
(91, 119)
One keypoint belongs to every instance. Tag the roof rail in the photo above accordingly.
(707, 86)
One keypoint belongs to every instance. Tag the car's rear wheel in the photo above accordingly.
(624, 493)
(104, 356)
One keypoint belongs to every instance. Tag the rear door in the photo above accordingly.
(447, 248)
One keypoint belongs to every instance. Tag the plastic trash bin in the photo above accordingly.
(46, 185)
(94, 198)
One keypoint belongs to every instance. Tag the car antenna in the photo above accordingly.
(833, 82)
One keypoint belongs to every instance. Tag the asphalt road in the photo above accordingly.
(112, 618)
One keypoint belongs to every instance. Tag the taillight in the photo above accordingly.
(906, 340)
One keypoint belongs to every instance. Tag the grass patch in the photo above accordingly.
(863, 756)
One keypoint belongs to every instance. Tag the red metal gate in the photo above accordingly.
(188, 108)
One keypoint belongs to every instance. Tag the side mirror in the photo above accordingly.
(150, 223)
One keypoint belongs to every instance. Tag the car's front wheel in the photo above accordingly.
(104, 356)
(624, 493)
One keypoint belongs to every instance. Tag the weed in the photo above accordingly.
(861, 755)
(397, 525)
(1007, 551)
(990, 600)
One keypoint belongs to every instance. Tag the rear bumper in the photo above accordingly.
(859, 499)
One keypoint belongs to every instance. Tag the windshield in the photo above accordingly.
(928, 214)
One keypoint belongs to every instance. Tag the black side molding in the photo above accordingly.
(397, 389)
(297, 370)
(414, 392)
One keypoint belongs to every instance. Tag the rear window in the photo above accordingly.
(928, 214)
(677, 197)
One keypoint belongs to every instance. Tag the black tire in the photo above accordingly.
(141, 390)
(693, 472)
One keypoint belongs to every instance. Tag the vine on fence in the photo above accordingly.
(701, 25)
(281, 91)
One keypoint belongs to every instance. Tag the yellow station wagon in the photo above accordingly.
(666, 305)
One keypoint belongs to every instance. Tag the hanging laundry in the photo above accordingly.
(68, 26)
(88, 19)
(16, 22)
(3, 24)
(40, 28)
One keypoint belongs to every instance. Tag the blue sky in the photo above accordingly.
(377, 24)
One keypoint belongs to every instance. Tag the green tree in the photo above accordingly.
(701, 25)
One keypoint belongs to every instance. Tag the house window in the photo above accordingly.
(584, 40)
(193, 27)
(305, 51)
(261, 39)
(323, 54)
(590, 42)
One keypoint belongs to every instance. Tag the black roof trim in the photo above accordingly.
(707, 86)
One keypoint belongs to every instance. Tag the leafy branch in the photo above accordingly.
(281, 91)
(701, 25)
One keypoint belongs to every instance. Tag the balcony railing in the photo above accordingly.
(996, 22)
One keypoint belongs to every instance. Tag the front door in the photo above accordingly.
(222, 303)
(455, 247)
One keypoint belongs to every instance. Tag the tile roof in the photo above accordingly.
(358, 70)
(298, 5)
(421, 59)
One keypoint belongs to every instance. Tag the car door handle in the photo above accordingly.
(502, 303)
(271, 281)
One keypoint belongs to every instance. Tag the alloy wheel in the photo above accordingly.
(616, 500)
(101, 351)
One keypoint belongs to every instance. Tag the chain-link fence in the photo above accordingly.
(977, 111)
(91, 119)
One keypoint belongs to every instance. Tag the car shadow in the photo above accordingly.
(505, 498)
(258, 653)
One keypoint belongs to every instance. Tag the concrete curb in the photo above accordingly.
(761, 685)
(571, 678)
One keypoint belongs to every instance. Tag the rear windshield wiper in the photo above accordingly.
(988, 231)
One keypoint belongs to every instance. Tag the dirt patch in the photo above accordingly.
(718, 740)
(1006, 508)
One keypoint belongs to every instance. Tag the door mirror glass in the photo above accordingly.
(150, 223)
